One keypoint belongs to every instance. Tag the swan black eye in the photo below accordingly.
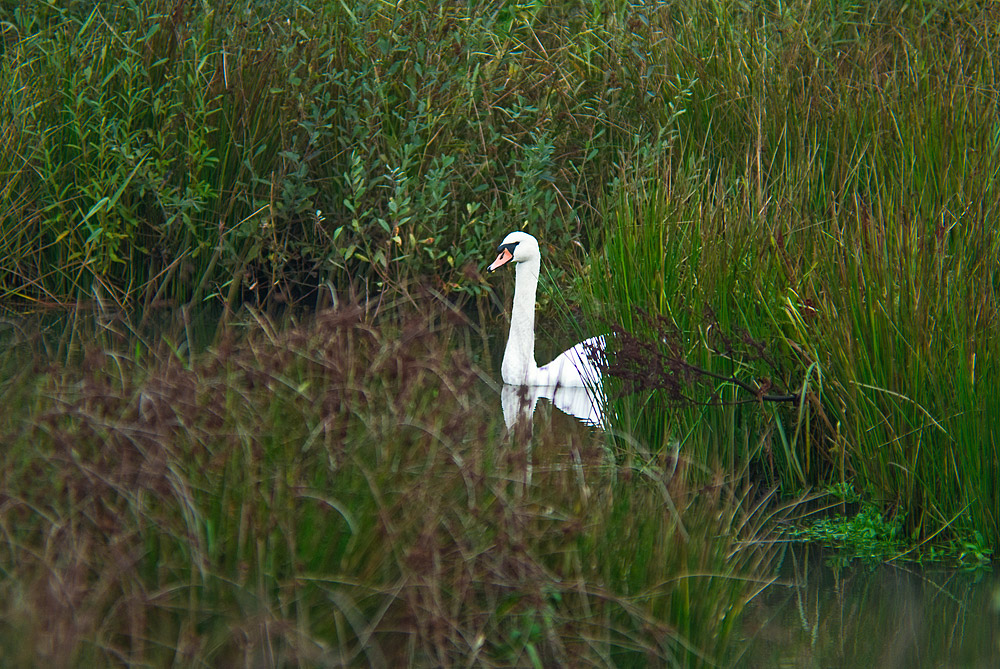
(509, 247)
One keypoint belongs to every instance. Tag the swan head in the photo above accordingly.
(516, 247)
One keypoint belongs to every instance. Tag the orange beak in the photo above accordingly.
(505, 257)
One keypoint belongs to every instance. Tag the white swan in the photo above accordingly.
(574, 367)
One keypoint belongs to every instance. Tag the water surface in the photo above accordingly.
(822, 614)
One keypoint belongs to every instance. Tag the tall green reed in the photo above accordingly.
(837, 202)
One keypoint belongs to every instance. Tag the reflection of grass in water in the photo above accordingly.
(338, 494)
(873, 616)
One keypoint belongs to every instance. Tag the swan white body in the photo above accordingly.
(574, 367)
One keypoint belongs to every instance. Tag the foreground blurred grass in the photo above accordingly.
(343, 493)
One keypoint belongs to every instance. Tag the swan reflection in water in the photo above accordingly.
(583, 402)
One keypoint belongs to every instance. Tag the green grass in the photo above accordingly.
(842, 211)
(869, 536)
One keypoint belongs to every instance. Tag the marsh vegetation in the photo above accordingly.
(249, 415)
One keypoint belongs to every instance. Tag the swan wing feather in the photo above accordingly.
(576, 366)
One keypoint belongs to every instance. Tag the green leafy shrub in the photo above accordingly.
(183, 151)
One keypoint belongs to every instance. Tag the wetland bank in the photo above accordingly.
(251, 411)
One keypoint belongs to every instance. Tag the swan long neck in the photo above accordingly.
(519, 365)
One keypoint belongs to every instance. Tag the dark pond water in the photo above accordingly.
(822, 614)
